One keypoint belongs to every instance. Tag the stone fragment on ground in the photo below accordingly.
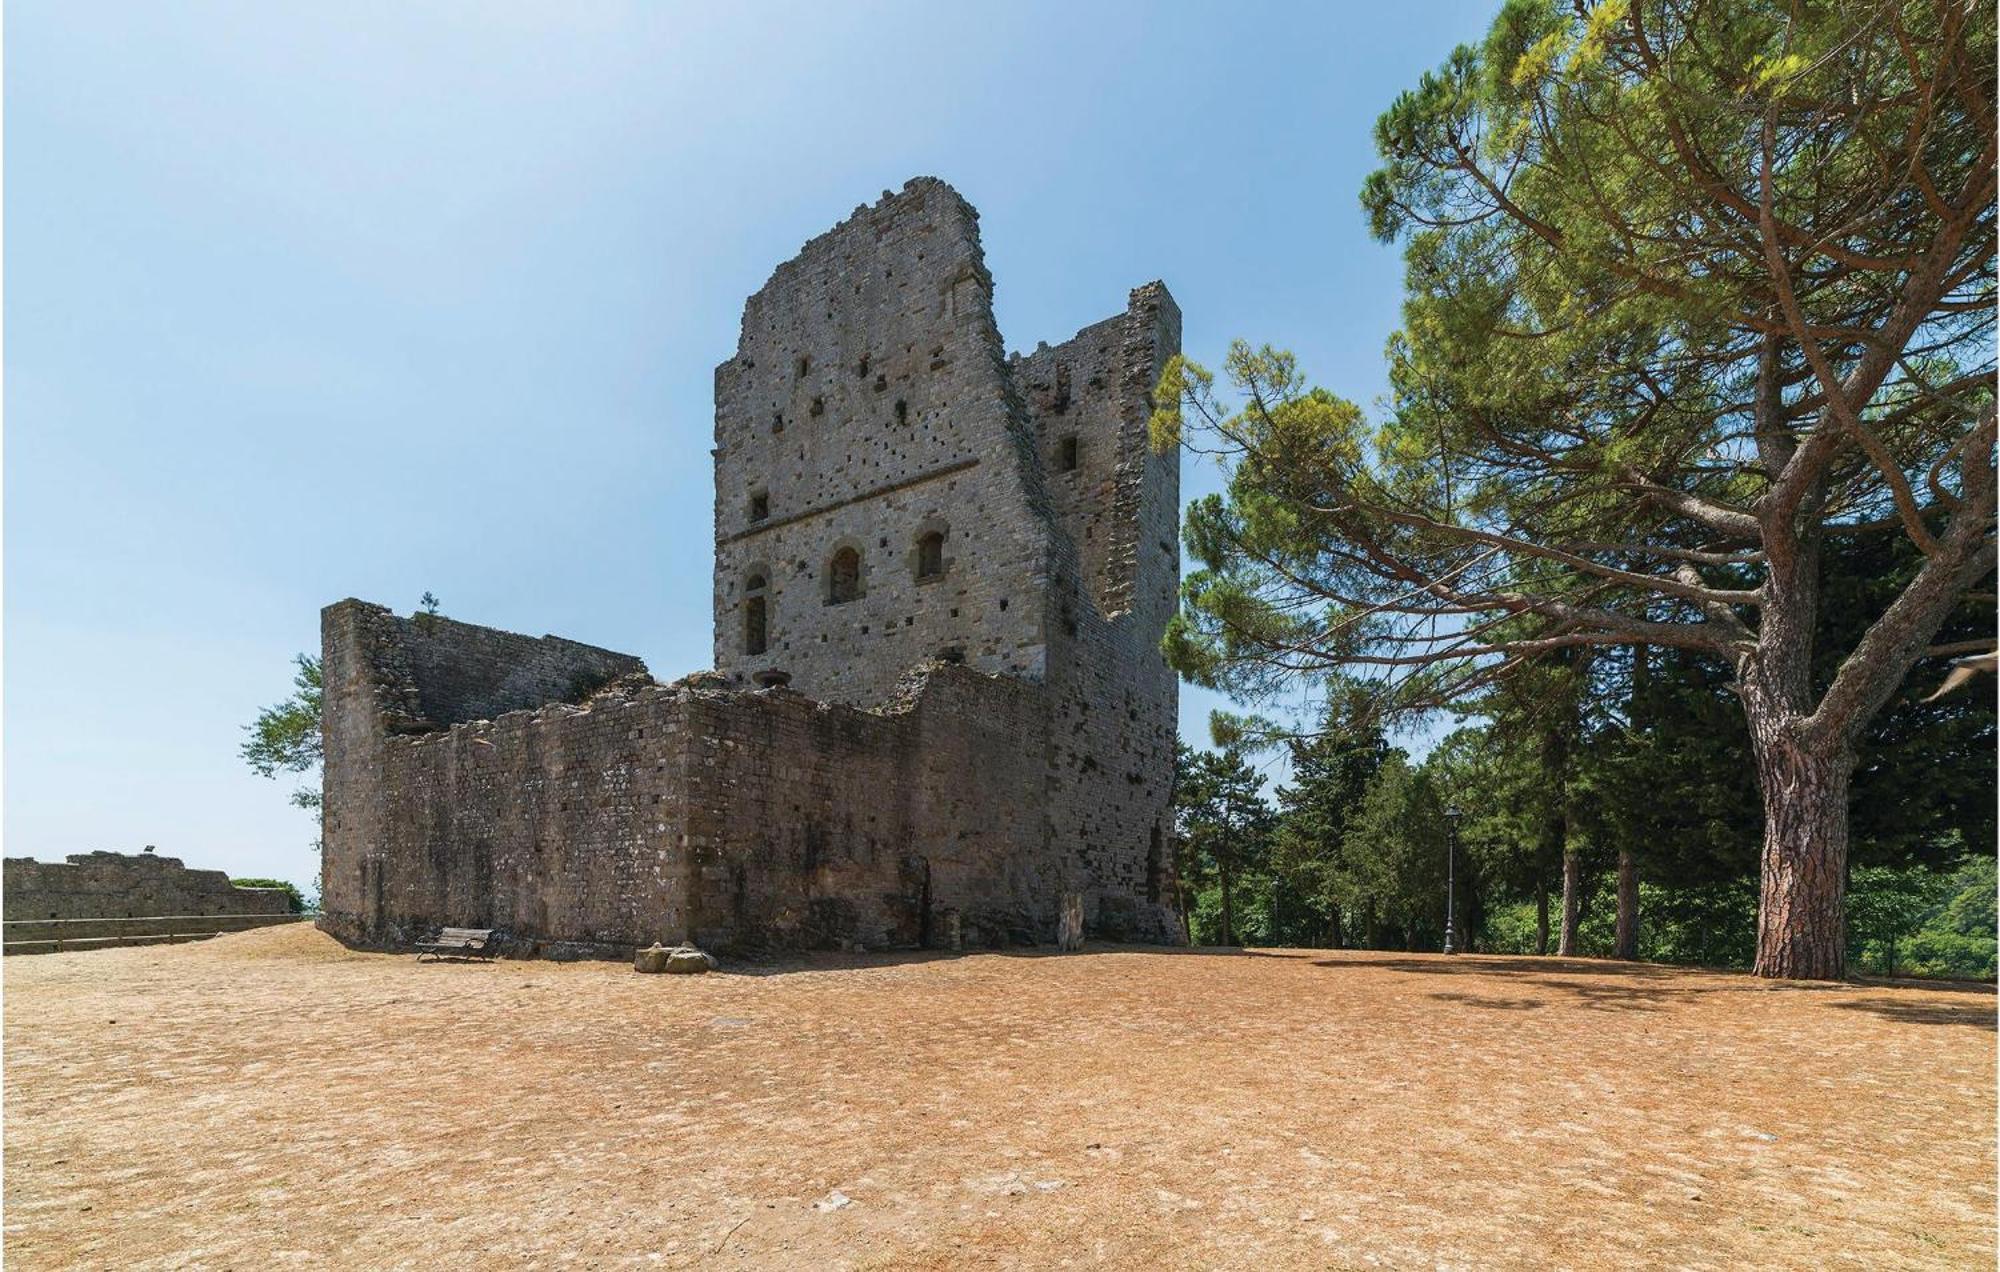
(678, 959)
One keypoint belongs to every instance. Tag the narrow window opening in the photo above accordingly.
(805, 365)
(843, 577)
(760, 505)
(819, 406)
(1066, 454)
(930, 555)
(777, 421)
(756, 616)
(861, 367)
(902, 411)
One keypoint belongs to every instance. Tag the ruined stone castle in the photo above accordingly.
(938, 705)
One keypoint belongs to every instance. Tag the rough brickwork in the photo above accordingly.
(869, 405)
(116, 885)
(961, 563)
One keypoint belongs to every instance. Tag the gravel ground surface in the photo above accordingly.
(270, 1099)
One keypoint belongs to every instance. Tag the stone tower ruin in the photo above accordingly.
(941, 579)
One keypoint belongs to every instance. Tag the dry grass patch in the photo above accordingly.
(271, 1099)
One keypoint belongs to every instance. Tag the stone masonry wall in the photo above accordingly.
(1114, 699)
(113, 885)
(389, 678)
(867, 406)
(978, 721)
(671, 812)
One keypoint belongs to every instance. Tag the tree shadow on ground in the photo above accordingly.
(1597, 985)
(1612, 985)
(785, 962)
(1503, 964)
(1932, 984)
(1905, 1012)
(1497, 1004)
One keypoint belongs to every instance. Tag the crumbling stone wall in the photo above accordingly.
(963, 565)
(115, 885)
(868, 406)
(1114, 698)
(667, 812)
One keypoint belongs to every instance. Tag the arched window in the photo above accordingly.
(843, 577)
(930, 555)
(756, 616)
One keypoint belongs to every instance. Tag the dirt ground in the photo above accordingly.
(272, 1100)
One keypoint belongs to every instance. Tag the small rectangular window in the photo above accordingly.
(760, 505)
(1066, 454)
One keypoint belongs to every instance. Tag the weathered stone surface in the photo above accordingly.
(962, 565)
(1069, 924)
(115, 885)
(687, 960)
(678, 959)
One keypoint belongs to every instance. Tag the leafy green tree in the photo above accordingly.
(1695, 288)
(1393, 859)
(1224, 825)
(1885, 905)
(285, 738)
(1330, 775)
(1494, 774)
(294, 898)
(1959, 939)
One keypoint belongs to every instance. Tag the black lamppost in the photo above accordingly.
(1451, 816)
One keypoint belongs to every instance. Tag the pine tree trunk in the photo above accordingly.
(1541, 913)
(1628, 906)
(1802, 909)
(1572, 904)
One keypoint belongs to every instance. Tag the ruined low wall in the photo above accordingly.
(111, 885)
(547, 825)
(736, 819)
(58, 936)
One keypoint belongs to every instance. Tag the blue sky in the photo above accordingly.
(306, 301)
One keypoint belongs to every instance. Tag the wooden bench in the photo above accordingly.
(458, 943)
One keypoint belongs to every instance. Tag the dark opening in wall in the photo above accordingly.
(777, 421)
(760, 505)
(1066, 454)
(805, 365)
(902, 411)
(930, 555)
(861, 367)
(756, 624)
(843, 577)
(818, 406)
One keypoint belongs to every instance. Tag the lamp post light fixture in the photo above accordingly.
(1452, 815)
